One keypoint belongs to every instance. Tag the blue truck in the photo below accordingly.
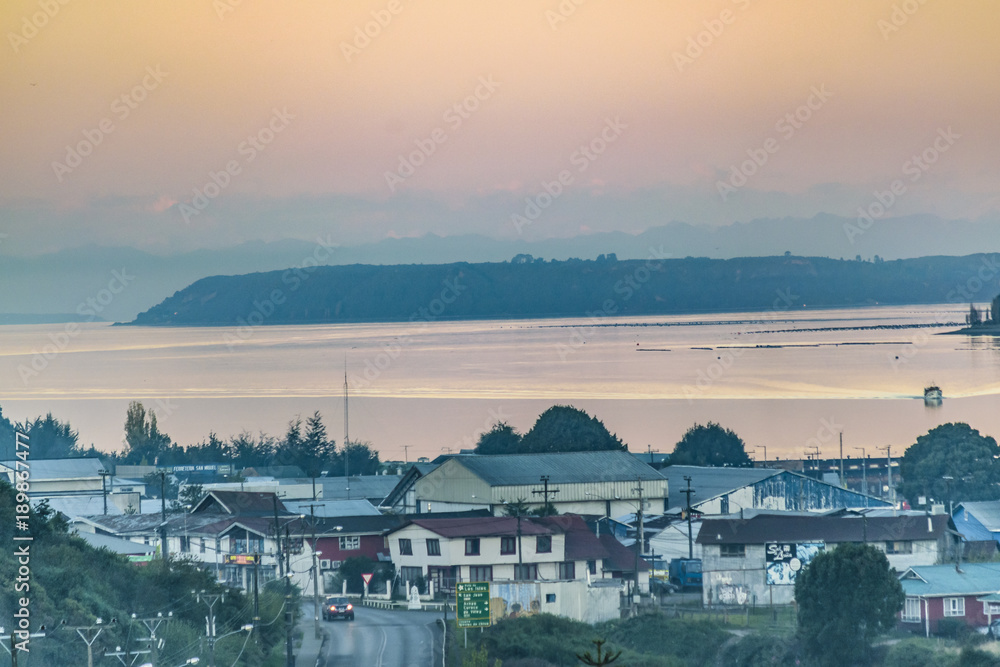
(685, 573)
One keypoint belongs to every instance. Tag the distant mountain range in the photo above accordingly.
(81, 281)
(602, 289)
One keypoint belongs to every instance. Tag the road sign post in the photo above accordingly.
(472, 604)
(367, 578)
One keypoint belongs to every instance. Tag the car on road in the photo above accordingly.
(338, 607)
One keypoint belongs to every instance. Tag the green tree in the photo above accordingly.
(317, 451)
(563, 428)
(710, 445)
(50, 438)
(501, 439)
(144, 443)
(952, 450)
(846, 598)
(6, 438)
(361, 459)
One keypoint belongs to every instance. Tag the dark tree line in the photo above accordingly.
(561, 428)
(305, 445)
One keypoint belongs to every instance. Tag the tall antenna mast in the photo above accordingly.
(346, 436)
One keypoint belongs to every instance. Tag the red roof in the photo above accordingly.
(621, 557)
(581, 544)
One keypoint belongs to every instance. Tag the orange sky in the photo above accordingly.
(557, 82)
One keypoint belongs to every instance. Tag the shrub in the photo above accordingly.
(695, 642)
(911, 654)
(761, 650)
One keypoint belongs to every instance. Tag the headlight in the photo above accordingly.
(350, 607)
(334, 608)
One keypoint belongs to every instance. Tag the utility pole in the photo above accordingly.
(89, 635)
(312, 521)
(842, 483)
(104, 490)
(256, 590)
(864, 473)
(688, 492)
(892, 490)
(641, 544)
(545, 493)
(406, 453)
(210, 599)
(153, 624)
(163, 519)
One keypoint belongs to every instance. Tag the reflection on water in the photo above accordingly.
(647, 378)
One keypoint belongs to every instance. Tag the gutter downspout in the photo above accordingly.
(927, 616)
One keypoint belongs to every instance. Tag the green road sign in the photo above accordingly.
(472, 605)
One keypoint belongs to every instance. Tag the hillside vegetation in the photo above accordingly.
(574, 288)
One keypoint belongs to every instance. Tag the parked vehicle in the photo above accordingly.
(338, 607)
(685, 572)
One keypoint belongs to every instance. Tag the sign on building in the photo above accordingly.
(472, 604)
(785, 560)
(242, 559)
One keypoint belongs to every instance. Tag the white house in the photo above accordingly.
(557, 560)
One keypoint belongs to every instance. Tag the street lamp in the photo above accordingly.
(951, 504)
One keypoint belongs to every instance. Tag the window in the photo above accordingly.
(526, 572)
(350, 543)
(433, 546)
(543, 544)
(245, 546)
(724, 504)
(409, 575)
(201, 546)
(472, 546)
(567, 570)
(405, 547)
(481, 573)
(732, 550)
(954, 606)
(550, 597)
(592, 566)
(508, 546)
(185, 544)
(911, 610)
(904, 547)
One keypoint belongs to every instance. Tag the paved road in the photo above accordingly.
(379, 638)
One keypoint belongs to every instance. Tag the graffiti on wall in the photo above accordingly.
(785, 560)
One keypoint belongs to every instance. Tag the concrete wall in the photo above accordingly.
(570, 599)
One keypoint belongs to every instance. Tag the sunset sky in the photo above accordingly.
(161, 95)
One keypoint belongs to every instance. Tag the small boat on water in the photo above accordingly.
(933, 395)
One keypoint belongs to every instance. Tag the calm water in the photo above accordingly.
(776, 379)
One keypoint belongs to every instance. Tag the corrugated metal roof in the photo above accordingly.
(51, 469)
(941, 580)
(74, 506)
(986, 512)
(711, 482)
(332, 508)
(772, 528)
(483, 526)
(373, 487)
(564, 468)
(115, 544)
